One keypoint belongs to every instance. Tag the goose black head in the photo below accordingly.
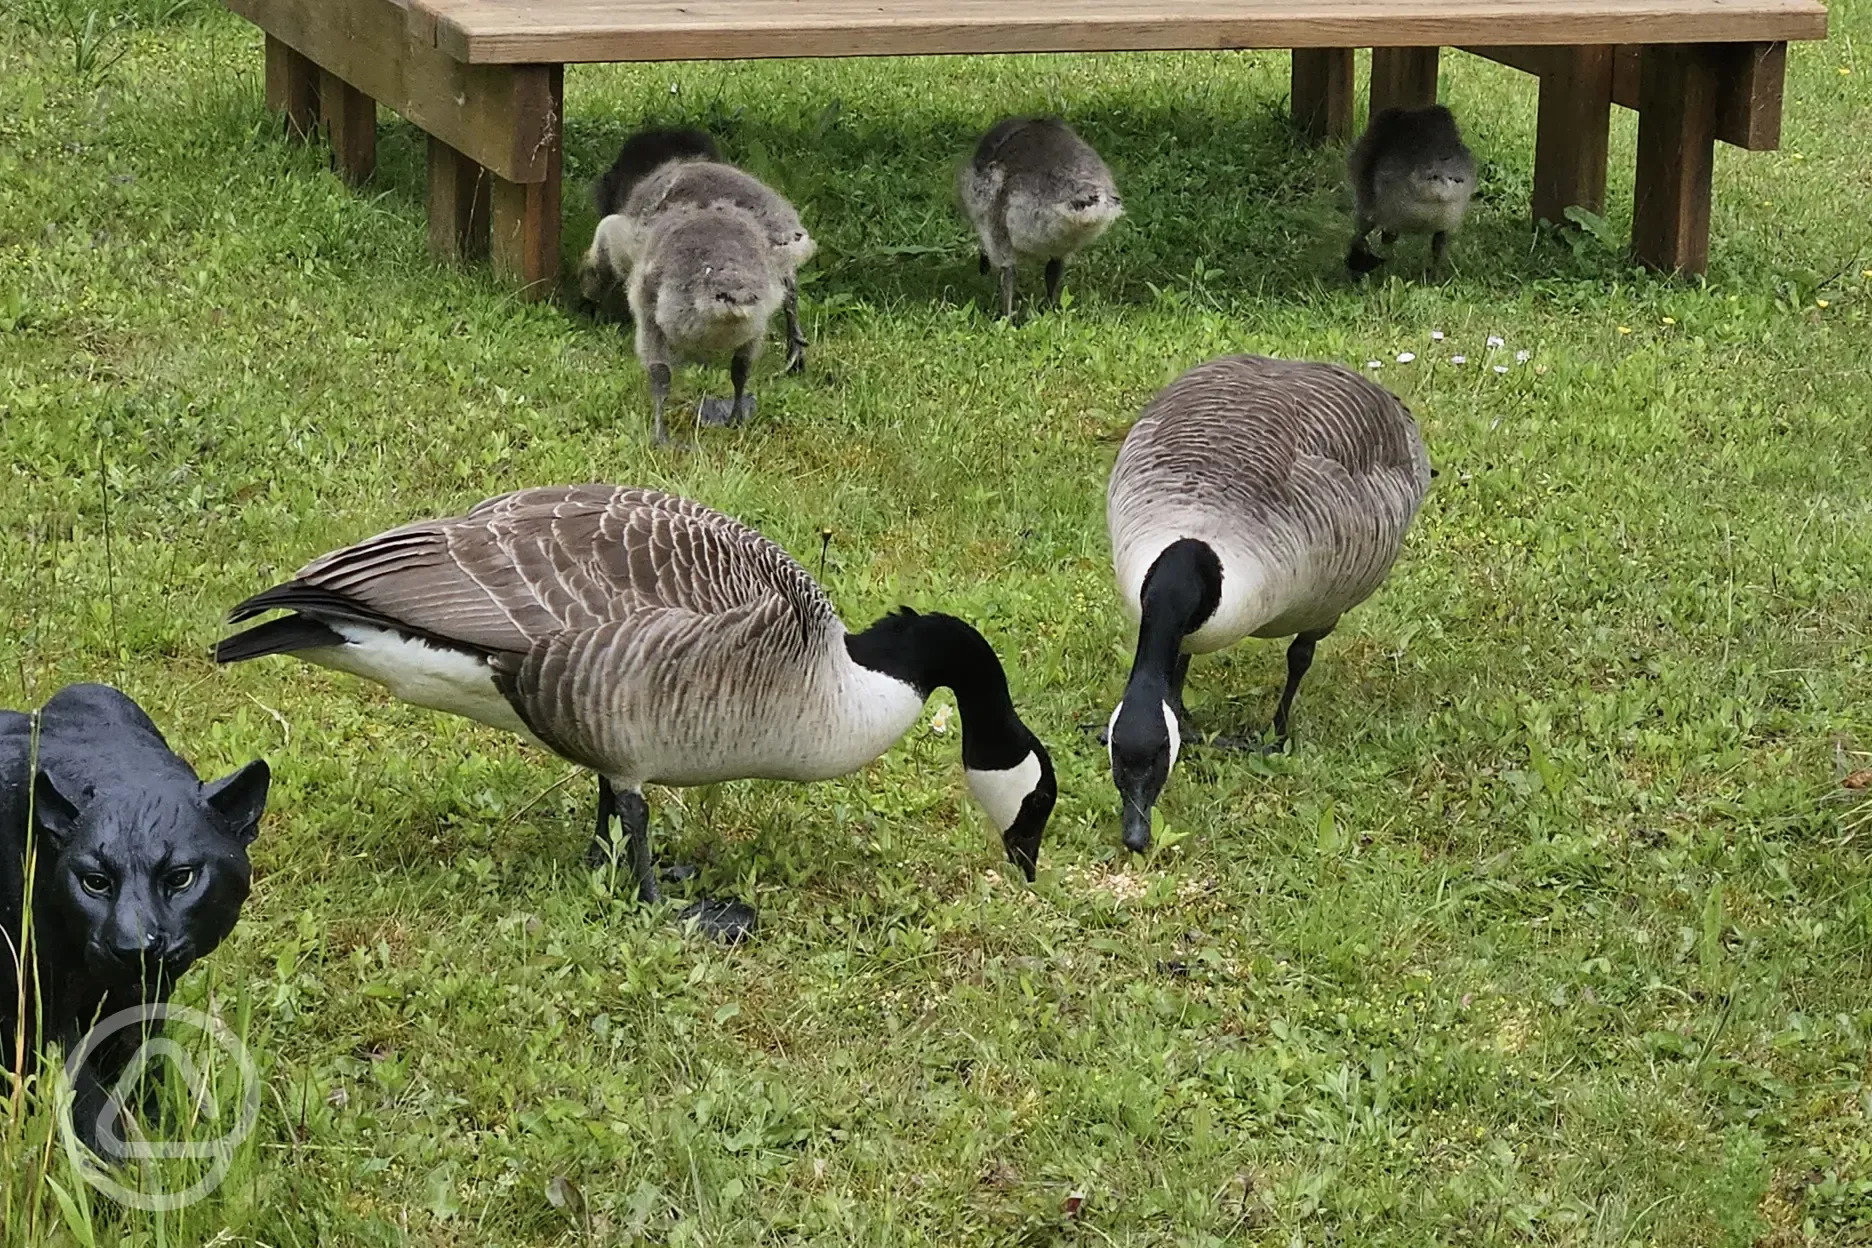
(1143, 740)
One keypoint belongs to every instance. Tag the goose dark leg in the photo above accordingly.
(1055, 277)
(1007, 292)
(634, 814)
(659, 395)
(721, 414)
(796, 340)
(1299, 659)
(1439, 248)
(598, 853)
(1360, 258)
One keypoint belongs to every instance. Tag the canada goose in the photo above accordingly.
(652, 640)
(1411, 174)
(682, 182)
(704, 285)
(1035, 190)
(1253, 498)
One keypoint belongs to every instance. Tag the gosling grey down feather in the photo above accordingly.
(1302, 477)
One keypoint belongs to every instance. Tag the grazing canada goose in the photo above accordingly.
(1411, 174)
(1253, 498)
(1035, 190)
(654, 641)
(683, 180)
(703, 286)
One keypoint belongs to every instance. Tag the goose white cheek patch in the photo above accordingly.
(1002, 792)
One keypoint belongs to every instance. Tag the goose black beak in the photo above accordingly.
(1137, 825)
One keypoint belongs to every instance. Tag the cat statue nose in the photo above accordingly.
(132, 949)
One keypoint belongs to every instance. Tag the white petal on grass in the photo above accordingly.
(1501, 368)
(1405, 357)
(1459, 359)
(1494, 340)
(1522, 357)
(1436, 335)
(1374, 363)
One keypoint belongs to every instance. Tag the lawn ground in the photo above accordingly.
(1553, 928)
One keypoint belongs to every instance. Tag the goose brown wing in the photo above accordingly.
(524, 567)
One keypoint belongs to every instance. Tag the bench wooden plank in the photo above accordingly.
(1676, 158)
(501, 31)
(1572, 131)
(350, 119)
(525, 216)
(1322, 92)
(1749, 84)
(292, 88)
(494, 114)
(1402, 78)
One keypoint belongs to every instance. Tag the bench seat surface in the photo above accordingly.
(573, 31)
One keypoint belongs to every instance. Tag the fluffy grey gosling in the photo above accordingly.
(683, 179)
(1035, 190)
(1253, 498)
(1411, 174)
(643, 153)
(705, 285)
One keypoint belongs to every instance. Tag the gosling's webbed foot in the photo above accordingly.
(730, 922)
(722, 414)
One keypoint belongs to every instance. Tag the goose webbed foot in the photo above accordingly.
(719, 413)
(1248, 743)
(727, 921)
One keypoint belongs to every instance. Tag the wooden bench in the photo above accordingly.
(485, 80)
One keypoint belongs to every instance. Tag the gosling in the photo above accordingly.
(667, 171)
(1034, 190)
(705, 285)
(1411, 174)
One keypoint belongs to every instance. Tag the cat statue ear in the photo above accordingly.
(54, 812)
(240, 799)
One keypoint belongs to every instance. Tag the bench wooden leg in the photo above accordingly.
(351, 118)
(1570, 141)
(292, 83)
(1322, 92)
(1403, 78)
(1676, 157)
(459, 195)
(525, 215)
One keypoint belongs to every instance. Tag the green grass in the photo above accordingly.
(1554, 927)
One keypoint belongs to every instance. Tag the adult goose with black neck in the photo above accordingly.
(1253, 498)
(652, 640)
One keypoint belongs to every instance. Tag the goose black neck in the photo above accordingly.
(1181, 591)
(935, 651)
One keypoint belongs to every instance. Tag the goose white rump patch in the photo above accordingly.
(1002, 792)
(436, 677)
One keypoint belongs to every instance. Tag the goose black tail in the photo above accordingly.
(281, 636)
